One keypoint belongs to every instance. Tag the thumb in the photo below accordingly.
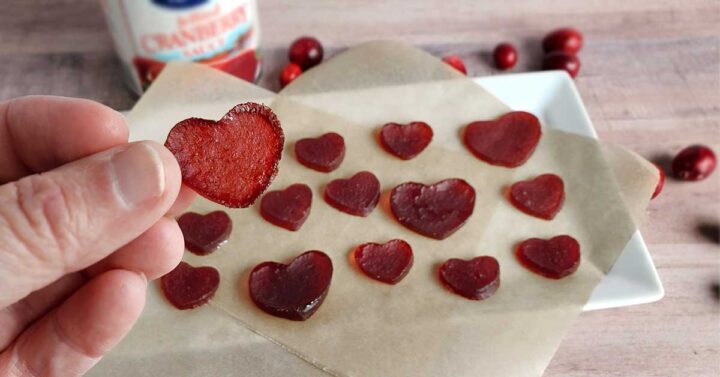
(66, 219)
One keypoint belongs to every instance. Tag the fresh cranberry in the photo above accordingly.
(660, 184)
(290, 72)
(505, 56)
(306, 52)
(561, 60)
(694, 163)
(568, 40)
(455, 62)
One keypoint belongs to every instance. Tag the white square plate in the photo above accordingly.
(552, 97)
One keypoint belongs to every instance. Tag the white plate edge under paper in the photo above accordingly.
(553, 97)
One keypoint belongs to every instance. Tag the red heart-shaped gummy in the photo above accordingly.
(388, 263)
(507, 141)
(231, 161)
(406, 140)
(205, 234)
(293, 291)
(435, 211)
(324, 153)
(541, 197)
(188, 287)
(554, 258)
(474, 279)
(357, 195)
(287, 208)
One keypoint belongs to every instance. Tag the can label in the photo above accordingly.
(149, 33)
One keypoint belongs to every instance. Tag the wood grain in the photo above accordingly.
(650, 79)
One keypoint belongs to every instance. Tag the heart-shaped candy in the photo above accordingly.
(541, 197)
(435, 211)
(287, 208)
(205, 233)
(388, 262)
(358, 195)
(324, 153)
(293, 291)
(231, 161)
(188, 287)
(405, 140)
(474, 279)
(507, 141)
(554, 258)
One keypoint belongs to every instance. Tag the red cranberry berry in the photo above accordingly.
(306, 52)
(455, 62)
(567, 40)
(694, 163)
(290, 72)
(505, 56)
(561, 60)
(660, 184)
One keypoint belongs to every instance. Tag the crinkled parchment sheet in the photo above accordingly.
(365, 328)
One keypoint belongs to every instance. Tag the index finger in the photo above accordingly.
(39, 133)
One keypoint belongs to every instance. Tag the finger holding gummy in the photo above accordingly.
(231, 161)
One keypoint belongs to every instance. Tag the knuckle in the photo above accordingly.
(44, 217)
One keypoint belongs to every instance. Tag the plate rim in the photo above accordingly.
(559, 83)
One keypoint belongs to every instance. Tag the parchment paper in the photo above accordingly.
(366, 328)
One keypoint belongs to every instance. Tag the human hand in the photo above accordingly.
(82, 228)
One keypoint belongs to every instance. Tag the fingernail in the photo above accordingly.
(138, 174)
(142, 276)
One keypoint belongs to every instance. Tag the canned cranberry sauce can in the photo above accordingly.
(224, 34)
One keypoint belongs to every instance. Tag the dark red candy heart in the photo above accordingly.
(435, 211)
(205, 233)
(287, 208)
(324, 153)
(388, 263)
(231, 161)
(541, 197)
(507, 141)
(554, 258)
(405, 140)
(293, 291)
(188, 287)
(474, 279)
(357, 195)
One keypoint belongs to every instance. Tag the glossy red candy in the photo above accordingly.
(507, 141)
(290, 72)
(455, 62)
(388, 262)
(567, 40)
(474, 279)
(287, 208)
(205, 233)
(660, 184)
(405, 140)
(694, 163)
(293, 291)
(541, 197)
(231, 161)
(324, 153)
(505, 56)
(188, 287)
(435, 211)
(554, 258)
(559, 60)
(306, 52)
(357, 195)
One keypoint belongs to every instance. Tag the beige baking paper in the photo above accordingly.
(366, 328)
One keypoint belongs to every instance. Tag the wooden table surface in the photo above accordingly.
(650, 79)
